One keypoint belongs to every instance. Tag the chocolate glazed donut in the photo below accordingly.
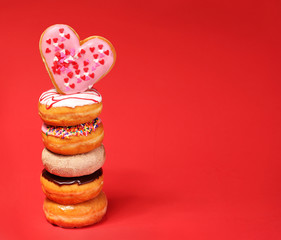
(71, 180)
(71, 190)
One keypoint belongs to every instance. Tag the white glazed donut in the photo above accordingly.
(68, 110)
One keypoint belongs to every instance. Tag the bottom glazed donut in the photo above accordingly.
(77, 215)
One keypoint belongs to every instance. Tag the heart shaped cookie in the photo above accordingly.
(74, 65)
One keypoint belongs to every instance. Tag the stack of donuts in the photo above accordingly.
(72, 132)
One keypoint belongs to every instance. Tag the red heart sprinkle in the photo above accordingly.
(77, 71)
(86, 69)
(67, 36)
(55, 39)
(48, 50)
(86, 63)
(49, 41)
(101, 61)
(67, 52)
(66, 80)
(92, 49)
(58, 71)
(61, 30)
(72, 85)
(61, 46)
(65, 64)
(106, 52)
(79, 54)
(92, 75)
(83, 77)
(57, 54)
(70, 74)
(100, 46)
(76, 66)
(82, 51)
(96, 56)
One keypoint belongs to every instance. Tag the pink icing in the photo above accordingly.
(73, 67)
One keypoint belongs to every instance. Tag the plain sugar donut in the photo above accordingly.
(75, 165)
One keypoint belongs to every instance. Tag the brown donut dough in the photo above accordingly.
(74, 144)
(77, 215)
(75, 165)
(67, 116)
(71, 194)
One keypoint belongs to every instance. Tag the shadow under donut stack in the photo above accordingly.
(72, 132)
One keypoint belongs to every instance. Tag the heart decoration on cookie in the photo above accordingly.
(74, 65)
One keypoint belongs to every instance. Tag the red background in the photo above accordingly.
(191, 115)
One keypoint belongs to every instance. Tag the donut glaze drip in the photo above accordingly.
(83, 129)
(71, 180)
(52, 98)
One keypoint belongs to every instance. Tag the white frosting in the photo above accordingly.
(44, 128)
(52, 98)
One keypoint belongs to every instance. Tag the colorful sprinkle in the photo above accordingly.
(79, 130)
